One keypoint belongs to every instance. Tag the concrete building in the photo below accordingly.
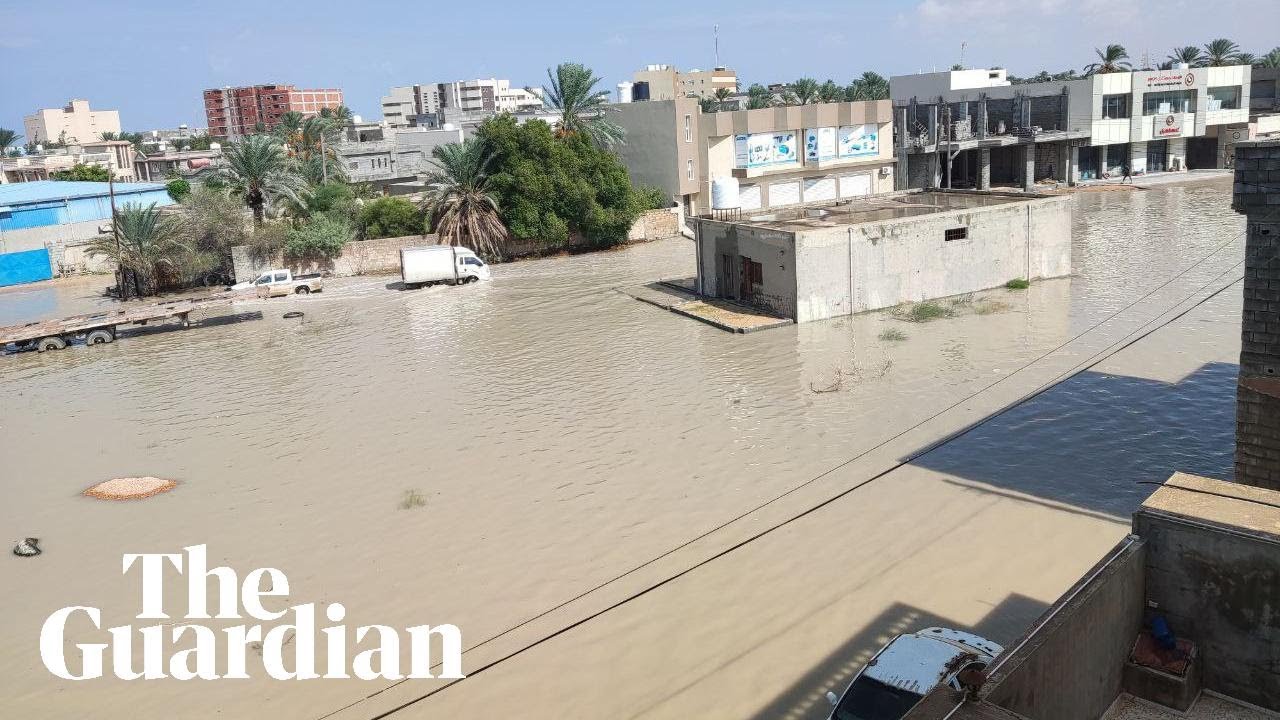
(391, 159)
(665, 82)
(74, 122)
(991, 132)
(658, 150)
(235, 111)
(117, 156)
(158, 166)
(816, 262)
(403, 105)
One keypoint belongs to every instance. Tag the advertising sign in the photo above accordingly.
(820, 143)
(1167, 125)
(759, 150)
(859, 141)
(1170, 79)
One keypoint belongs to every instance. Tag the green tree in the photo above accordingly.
(462, 208)
(830, 92)
(723, 94)
(178, 189)
(321, 237)
(582, 107)
(1246, 58)
(759, 97)
(869, 86)
(708, 105)
(803, 91)
(1189, 54)
(1271, 59)
(8, 139)
(390, 217)
(151, 246)
(217, 222)
(259, 170)
(1220, 52)
(1113, 58)
(82, 172)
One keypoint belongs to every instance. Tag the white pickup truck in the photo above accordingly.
(274, 283)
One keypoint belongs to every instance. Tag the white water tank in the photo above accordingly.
(624, 91)
(724, 193)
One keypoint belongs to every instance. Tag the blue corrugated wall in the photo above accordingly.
(24, 267)
(72, 210)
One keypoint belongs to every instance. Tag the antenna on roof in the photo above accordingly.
(963, 45)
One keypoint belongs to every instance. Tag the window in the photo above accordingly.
(688, 169)
(959, 233)
(1224, 98)
(281, 277)
(688, 128)
(1115, 107)
(1163, 103)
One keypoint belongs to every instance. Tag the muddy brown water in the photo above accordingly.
(568, 447)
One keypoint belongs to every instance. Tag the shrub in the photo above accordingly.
(892, 335)
(648, 197)
(321, 237)
(923, 312)
(90, 173)
(178, 189)
(1018, 284)
(390, 217)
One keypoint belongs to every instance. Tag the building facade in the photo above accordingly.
(972, 128)
(74, 122)
(404, 106)
(237, 111)
(391, 159)
(665, 82)
(117, 156)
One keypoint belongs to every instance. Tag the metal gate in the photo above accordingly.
(25, 267)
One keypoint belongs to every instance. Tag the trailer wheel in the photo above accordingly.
(99, 337)
(303, 290)
(53, 342)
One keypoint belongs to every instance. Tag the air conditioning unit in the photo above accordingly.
(886, 171)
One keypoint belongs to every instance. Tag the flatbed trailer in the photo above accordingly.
(100, 327)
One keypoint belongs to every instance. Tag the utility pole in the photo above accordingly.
(324, 159)
(715, 30)
(115, 231)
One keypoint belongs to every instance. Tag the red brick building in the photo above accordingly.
(232, 112)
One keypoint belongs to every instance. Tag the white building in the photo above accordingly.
(73, 123)
(404, 104)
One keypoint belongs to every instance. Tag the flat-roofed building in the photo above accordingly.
(73, 123)
(236, 111)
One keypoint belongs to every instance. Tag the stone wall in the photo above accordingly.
(1257, 195)
(360, 257)
(655, 225)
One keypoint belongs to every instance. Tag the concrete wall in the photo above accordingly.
(1070, 665)
(870, 266)
(361, 257)
(1213, 569)
(650, 153)
(773, 249)
(655, 225)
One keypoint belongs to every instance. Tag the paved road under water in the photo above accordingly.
(572, 447)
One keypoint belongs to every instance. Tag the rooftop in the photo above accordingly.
(877, 209)
(40, 191)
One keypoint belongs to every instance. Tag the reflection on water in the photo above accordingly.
(558, 430)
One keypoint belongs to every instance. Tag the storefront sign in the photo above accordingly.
(759, 150)
(1164, 79)
(820, 143)
(859, 141)
(1167, 125)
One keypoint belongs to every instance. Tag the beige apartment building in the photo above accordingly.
(665, 82)
(73, 123)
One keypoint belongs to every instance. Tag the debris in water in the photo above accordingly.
(29, 547)
(133, 488)
(292, 314)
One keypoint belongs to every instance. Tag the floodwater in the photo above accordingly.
(568, 474)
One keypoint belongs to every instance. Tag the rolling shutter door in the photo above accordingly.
(855, 186)
(818, 189)
(749, 197)
(784, 193)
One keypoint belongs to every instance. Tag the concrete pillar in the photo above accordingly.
(981, 130)
(1257, 195)
(1137, 157)
(901, 178)
(932, 175)
(1177, 154)
(933, 124)
(984, 168)
(1028, 167)
(1073, 167)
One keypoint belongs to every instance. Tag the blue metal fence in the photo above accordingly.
(24, 267)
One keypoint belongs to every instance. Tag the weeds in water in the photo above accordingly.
(922, 312)
(833, 387)
(1018, 284)
(960, 300)
(412, 499)
(892, 335)
(988, 307)
(857, 374)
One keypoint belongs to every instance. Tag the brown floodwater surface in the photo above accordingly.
(514, 456)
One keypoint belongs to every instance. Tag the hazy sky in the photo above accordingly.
(150, 60)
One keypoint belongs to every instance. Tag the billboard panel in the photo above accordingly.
(762, 149)
(820, 143)
(859, 141)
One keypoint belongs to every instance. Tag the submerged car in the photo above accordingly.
(902, 672)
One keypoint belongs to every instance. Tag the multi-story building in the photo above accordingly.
(665, 82)
(391, 159)
(774, 157)
(70, 124)
(972, 128)
(117, 156)
(159, 165)
(405, 105)
(236, 111)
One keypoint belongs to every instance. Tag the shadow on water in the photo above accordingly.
(166, 326)
(1089, 440)
(806, 698)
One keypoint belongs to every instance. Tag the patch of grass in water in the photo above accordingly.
(922, 312)
(988, 307)
(412, 499)
(892, 335)
(1018, 284)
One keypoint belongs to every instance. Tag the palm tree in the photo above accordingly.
(723, 94)
(830, 92)
(259, 169)
(1220, 52)
(1270, 60)
(803, 91)
(340, 116)
(108, 135)
(150, 246)
(870, 86)
(1246, 58)
(582, 107)
(462, 210)
(1189, 54)
(759, 97)
(8, 139)
(1112, 59)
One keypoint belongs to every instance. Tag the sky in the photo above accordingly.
(151, 60)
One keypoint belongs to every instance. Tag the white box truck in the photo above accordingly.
(440, 264)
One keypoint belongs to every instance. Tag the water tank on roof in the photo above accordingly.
(449, 126)
(724, 194)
